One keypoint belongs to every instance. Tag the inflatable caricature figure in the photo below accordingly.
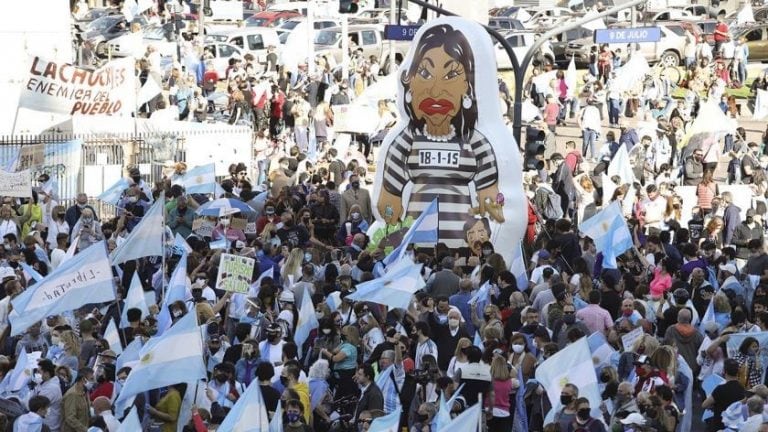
(451, 143)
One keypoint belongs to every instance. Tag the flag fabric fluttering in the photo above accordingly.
(249, 413)
(307, 320)
(134, 299)
(113, 337)
(178, 290)
(609, 231)
(395, 288)
(276, 424)
(85, 278)
(131, 422)
(173, 358)
(423, 230)
(146, 239)
(468, 421)
(200, 179)
(113, 194)
(387, 423)
(573, 364)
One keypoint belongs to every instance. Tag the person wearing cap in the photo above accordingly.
(146, 190)
(541, 262)
(271, 349)
(728, 273)
(633, 420)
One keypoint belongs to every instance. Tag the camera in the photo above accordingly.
(421, 376)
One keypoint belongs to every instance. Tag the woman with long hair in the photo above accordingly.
(459, 359)
(713, 231)
(503, 388)
(344, 359)
(290, 272)
(750, 369)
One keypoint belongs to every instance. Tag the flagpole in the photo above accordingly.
(480, 417)
(120, 313)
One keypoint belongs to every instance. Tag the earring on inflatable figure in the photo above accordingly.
(466, 102)
(408, 97)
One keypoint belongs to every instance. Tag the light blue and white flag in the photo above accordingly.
(147, 237)
(307, 320)
(178, 290)
(175, 357)
(395, 289)
(735, 340)
(113, 194)
(602, 352)
(443, 416)
(609, 231)
(134, 299)
(387, 423)
(620, 166)
(276, 424)
(131, 422)
(423, 230)
(13, 163)
(478, 341)
(85, 278)
(113, 337)
(468, 421)
(249, 413)
(18, 378)
(30, 273)
(221, 243)
(200, 179)
(685, 423)
(130, 354)
(572, 364)
(180, 243)
(481, 298)
(518, 268)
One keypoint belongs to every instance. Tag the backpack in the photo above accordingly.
(547, 202)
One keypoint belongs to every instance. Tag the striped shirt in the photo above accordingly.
(428, 347)
(443, 170)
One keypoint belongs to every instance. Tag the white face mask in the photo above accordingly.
(517, 348)
(355, 215)
(453, 322)
(327, 331)
(319, 315)
(225, 222)
(55, 340)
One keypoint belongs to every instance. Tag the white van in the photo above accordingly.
(254, 40)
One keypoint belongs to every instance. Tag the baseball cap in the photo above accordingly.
(239, 244)
(730, 268)
(544, 254)
(635, 419)
(7, 272)
(269, 210)
(108, 353)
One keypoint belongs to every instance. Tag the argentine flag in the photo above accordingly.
(85, 278)
(423, 230)
(200, 179)
(395, 289)
(147, 237)
(609, 231)
(249, 413)
(175, 357)
(113, 193)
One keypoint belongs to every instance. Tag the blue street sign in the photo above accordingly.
(400, 32)
(627, 35)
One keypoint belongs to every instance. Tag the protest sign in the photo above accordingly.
(628, 339)
(250, 228)
(235, 273)
(17, 184)
(56, 87)
(238, 223)
(202, 227)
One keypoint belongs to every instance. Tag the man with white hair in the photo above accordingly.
(755, 407)
(391, 376)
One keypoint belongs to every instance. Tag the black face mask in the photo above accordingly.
(221, 378)
(284, 381)
(13, 264)
(583, 414)
(569, 318)
(651, 412)
(355, 185)
(136, 179)
(273, 337)
(422, 417)
(566, 400)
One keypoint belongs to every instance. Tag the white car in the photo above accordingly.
(222, 52)
(135, 44)
(520, 42)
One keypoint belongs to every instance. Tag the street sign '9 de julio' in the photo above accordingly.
(627, 35)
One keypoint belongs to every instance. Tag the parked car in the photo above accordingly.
(270, 18)
(375, 16)
(368, 37)
(665, 15)
(668, 50)
(559, 46)
(757, 41)
(504, 23)
(135, 44)
(222, 52)
(290, 25)
(547, 17)
(254, 40)
(521, 43)
(106, 28)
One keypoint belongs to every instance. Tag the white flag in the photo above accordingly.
(149, 90)
(745, 15)
(113, 337)
(761, 105)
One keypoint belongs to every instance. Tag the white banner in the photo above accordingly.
(65, 89)
(18, 184)
(761, 105)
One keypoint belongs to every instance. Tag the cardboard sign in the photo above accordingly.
(250, 228)
(628, 339)
(238, 223)
(203, 227)
(18, 184)
(235, 273)
(56, 87)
